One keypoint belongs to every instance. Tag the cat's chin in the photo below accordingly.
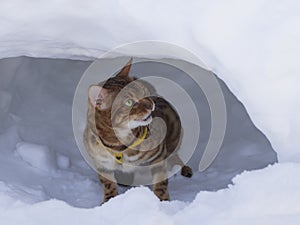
(139, 123)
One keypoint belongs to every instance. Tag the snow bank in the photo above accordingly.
(41, 157)
(252, 45)
(269, 196)
(38, 156)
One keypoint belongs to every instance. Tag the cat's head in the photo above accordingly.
(122, 97)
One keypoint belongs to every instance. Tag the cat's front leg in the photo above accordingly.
(160, 183)
(109, 184)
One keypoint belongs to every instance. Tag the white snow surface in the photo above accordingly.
(252, 45)
(37, 156)
(253, 199)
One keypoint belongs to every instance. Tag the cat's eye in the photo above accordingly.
(129, 102)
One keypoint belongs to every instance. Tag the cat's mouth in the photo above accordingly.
(140, 122)
(147, 119)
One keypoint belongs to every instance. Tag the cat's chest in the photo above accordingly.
(109, 160)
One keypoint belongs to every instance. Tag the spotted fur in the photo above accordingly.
(100, 121)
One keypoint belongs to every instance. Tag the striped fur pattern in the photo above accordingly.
(137, 113)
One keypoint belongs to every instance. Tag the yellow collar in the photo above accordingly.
(119, 155)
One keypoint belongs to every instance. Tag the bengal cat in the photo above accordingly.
(133, 115)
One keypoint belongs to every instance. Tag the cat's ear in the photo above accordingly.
(99, 97)
(125, 70)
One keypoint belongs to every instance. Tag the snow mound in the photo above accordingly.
(38, 156)
(253, 199)
(269, 196)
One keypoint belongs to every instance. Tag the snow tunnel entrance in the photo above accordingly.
(39, 156)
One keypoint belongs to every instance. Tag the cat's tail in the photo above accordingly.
(186, 171)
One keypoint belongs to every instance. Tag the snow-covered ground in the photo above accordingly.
(269, 196)
(38, 142)
(253, 46)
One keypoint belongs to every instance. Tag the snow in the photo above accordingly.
(63, 161)
(253, 46)
(37, 140)
(245, 202)
(38, 156)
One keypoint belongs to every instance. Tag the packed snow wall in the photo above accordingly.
(252, 45)
(40, 159)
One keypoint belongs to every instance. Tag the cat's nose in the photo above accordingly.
(147, 103)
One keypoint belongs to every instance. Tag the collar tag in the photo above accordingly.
(119, 157)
